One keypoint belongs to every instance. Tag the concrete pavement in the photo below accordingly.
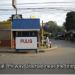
(64, 54)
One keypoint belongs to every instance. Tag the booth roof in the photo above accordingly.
(26, 24)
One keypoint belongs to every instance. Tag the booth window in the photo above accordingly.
(24, 34)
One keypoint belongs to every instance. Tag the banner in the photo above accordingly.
(26, 42)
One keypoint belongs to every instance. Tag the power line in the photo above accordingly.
(38, 8)
(48, 3)
(41, 3)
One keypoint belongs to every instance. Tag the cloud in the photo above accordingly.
(57, 13)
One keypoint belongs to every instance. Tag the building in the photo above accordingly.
(25, 33)
(26, 30)
(5, 34)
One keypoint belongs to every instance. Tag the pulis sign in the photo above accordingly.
(25, 40)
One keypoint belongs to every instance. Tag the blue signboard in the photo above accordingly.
(26, 24)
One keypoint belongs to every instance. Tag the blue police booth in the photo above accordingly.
(25, 34)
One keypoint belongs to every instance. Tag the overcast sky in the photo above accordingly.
(44, 9)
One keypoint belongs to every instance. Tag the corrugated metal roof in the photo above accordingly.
(26, 24)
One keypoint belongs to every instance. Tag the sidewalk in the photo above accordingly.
(7, 50)
(44, 49)
(41, 49)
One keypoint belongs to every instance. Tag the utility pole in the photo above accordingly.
(14, 5)
(42, 35)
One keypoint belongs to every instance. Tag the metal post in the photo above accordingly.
(16, 10)
(38, 39)
(42, 34)
(11, 39)
(11, 34)
(14, 5)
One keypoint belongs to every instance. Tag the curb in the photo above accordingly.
(39, 49)
(47, 49)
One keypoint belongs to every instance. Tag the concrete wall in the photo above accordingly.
(5, 30)
(5, 35)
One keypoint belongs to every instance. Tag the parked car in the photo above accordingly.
(59, 37)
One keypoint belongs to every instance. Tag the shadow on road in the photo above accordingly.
(22, 52)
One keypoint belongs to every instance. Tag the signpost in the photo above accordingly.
(18, 16)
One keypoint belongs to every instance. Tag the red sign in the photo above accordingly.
(26, 41)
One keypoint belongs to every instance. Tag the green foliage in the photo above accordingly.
(52, 27)
(70, 21)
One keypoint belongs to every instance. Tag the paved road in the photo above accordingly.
(58, 60)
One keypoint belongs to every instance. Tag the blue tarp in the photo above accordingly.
(26, 24)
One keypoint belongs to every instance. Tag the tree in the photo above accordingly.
(52, 27)
(70, 21)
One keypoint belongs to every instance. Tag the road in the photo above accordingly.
(64, 54)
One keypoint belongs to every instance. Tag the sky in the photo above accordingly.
(46, 10)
